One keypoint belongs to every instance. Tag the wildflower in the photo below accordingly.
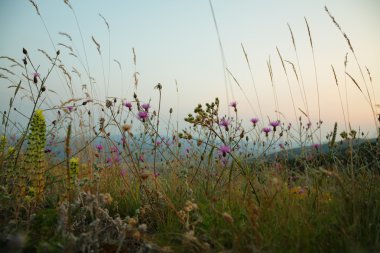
(298, 192)
(70, 108)
(99, 147)
(274, 124)
(316, 146)
(289, 126)
(74, 167)
(281, 146)
(114, 149)
(266, 130)
(143, 115)
(108, 103)
(109, 160)
(234, 104)
(224, 122)
(145, 106)
(35, 76)
(127, 128)
(224, 150)
(128, 105)
(123, 172)
(254, 121)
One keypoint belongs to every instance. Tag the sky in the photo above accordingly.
(176, 42)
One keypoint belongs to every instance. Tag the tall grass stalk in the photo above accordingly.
(316, 78)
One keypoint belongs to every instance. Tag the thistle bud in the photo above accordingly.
(24, 51)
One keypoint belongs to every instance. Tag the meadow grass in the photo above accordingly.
(109, 175)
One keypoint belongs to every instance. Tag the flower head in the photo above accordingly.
(145, 106)
(224, 150)
(316, 146)
(224, 123)
(99, 147)
(274, 124)
(35, 76)
(254, 121)
(114, 149)
(266, 130)
(70, 108)
(142, 115)
(128, 105)
(233, 104)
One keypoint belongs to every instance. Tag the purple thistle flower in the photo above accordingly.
(99, 147)
(35, 75)
(143, 115)
(70, 108)
(224, 122)
(224, 150)
(281, 146)
(233, 104)
(145, 106)
(266, 130)
(128, 105)
(254, 121)
(274, 124)
(109, 160)
(316, 146)
(114, 149)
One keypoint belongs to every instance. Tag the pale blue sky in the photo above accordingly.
(176, 40)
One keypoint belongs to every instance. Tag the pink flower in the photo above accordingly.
(143, 115)
(233, 104)
(145, 106)
(128, 105)
(99, 147)
(266, 130)
(70, 108)
(254, 121)
(224, 150)
(224, 122)
(35, 75)
(274, 124)
(114, 149)
(316, 146)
